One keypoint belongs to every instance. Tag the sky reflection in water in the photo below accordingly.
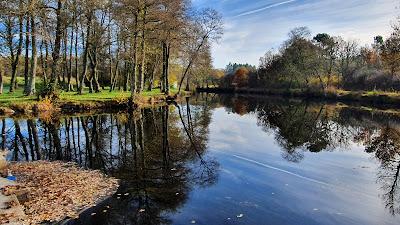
(231, 161)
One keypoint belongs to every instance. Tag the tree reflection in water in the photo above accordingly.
(157, 153)
(160, 153)
(300, 126)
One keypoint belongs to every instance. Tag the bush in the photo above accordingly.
(48, 91)
(371, 79)
(45, 105)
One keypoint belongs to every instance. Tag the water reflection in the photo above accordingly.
(157, 153)
(161, 154)
(300, 126)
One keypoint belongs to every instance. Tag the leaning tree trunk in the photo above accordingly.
(192, 59)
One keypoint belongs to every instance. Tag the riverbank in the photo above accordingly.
(368, 97)
(55, 191)
(71, 102)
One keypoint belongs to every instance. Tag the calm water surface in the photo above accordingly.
(229, 160)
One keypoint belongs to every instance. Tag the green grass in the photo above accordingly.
(17, 96)
(106, 95)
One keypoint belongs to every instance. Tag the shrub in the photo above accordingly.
(44, 105)
(48, 91)
(371, 79)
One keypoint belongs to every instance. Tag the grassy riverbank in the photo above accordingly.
(370, 97)
(17, 102)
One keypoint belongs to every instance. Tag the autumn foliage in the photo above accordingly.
(241, 77)
(58, 190)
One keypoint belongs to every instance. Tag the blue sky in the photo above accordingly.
(254, 26)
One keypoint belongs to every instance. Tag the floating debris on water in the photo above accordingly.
(240, 215)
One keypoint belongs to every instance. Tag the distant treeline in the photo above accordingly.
(323, 63)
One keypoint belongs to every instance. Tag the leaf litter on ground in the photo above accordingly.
(58, 190)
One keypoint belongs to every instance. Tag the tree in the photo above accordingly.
(125, 44)
(348, 52)
(12, 19)
(207, 27)
(241, 77)
(329, 46)
(390, 52)
(31, 83)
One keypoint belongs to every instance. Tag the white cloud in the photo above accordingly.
(254, 27)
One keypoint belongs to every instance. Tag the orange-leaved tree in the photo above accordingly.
(241, 77)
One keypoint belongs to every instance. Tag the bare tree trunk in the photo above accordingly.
(135, 66)
(143, 51)
(44, 69)
(46, 61)
(85, 53)
(76, 57)
(1, 79)
(57, 46)
(27, 43)
(192, 59)
(32, 78)
(153, 72)
(165, 80)
(65, 61)
(15, 58)
(70, 87)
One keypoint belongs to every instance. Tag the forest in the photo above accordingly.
(53, 46)
(323, 62)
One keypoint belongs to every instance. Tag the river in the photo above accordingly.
(216, 159)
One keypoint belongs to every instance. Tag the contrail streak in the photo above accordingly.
(281, 170)
(264, 8)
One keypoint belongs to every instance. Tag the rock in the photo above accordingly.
(6, 111)
(3, 161)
